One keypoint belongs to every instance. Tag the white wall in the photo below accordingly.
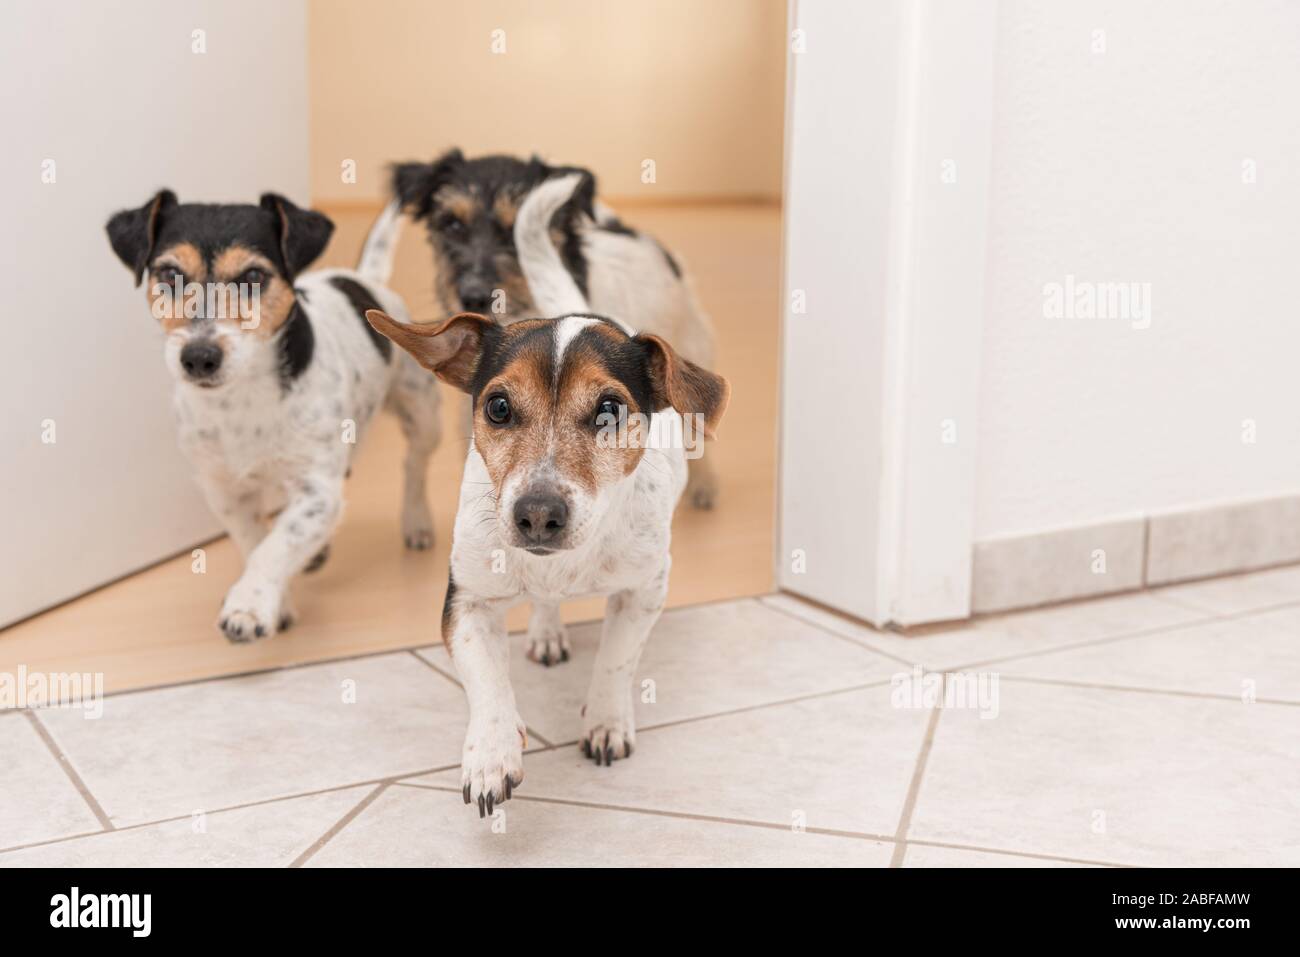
(113, 94)
(1127, 166)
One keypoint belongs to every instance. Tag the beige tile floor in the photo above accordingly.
(1154, 728)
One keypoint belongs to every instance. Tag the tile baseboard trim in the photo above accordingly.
(1057, 565)
(1223, 539)
(1135, 552)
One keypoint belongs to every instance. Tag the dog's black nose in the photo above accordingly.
(476, 303)
(475, 296)
(201, 359)
(540, 518)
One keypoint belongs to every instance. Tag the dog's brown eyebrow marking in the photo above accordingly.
(234, 260)
(506, 207)
(459, 203)
(185, 257)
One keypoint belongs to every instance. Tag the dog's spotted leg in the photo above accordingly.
(608, 723)
(492, 762)
(548, 643)
(254, 607)
(414, 400)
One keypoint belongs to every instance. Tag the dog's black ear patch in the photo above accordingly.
(415, 183)
(304, 233)
(133, 232)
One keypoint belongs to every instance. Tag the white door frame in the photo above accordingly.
(888, 142)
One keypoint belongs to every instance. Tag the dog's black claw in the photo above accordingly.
(286, 623)
(546, 659)
(586, 748)
(564, 655)
(481, 807)
(609, 756)
(259, 631)
(466, 793)
(507, 797)
(627, 749)
(489, 802)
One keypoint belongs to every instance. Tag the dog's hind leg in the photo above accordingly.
(701, 483)
(548, 643)
(608, 718)
(696, 341)
(413, 398)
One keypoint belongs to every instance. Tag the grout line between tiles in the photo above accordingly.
(1183, 604)
(771, 825)
(454, 680)
(1209, 619)
(960, 666)
(1085, 643)
(657, 812)
(340, 824)
(65, 762)
(914, 788)
(856, 642)
(388, 779)
(293, 666)
(1006, 853)
(1172, 692)
(725, 714)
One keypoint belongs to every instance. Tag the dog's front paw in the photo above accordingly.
(607, 733)
(492, 764)
(548, 646)
(251, 611)
(417, 527)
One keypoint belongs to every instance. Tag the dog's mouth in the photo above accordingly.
(205, 384)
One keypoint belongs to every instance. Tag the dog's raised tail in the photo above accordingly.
(554, 291)
(376, 263)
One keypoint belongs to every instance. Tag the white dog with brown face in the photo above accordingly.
(552, 506)
(271, 402)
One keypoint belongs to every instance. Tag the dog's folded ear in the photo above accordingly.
(133, 232)
(415, 183)
(680, 383)
(304, 233)
(450, 349)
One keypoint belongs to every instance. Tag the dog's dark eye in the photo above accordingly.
(451, 226)
(253, 276)
(169, 274)
(607, 410)
(498, 409)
